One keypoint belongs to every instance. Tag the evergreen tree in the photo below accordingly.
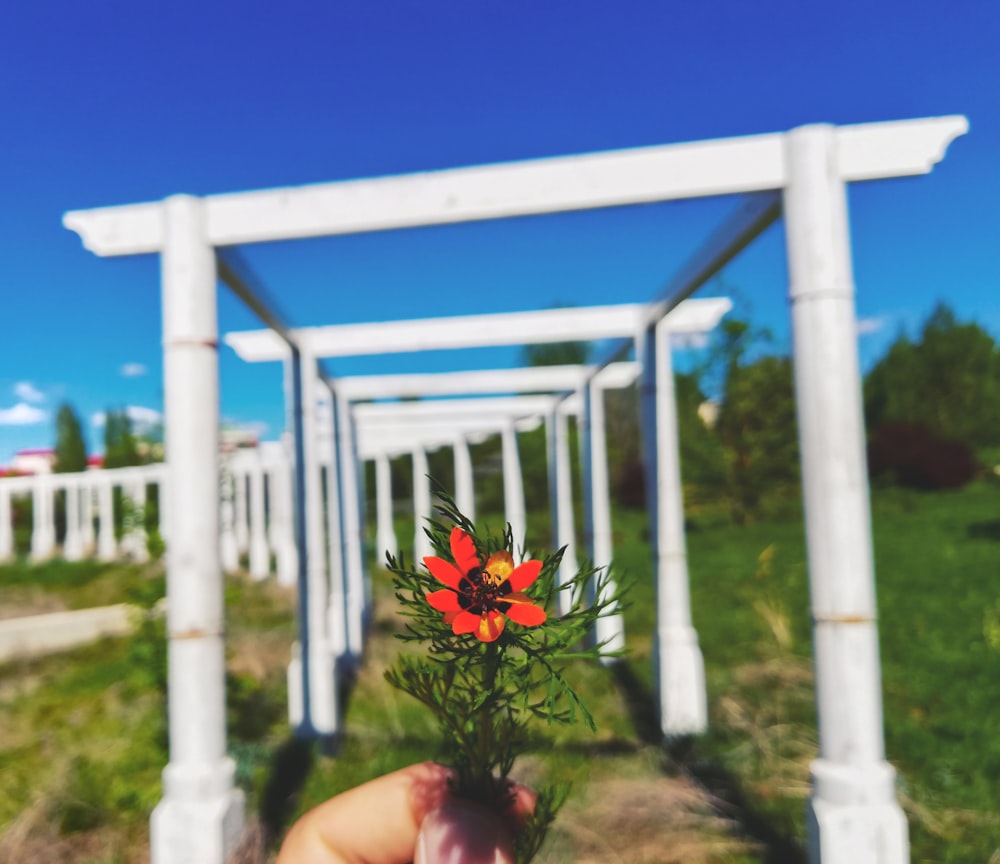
(70, 449)
(120, 446)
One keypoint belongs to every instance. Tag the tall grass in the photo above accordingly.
(82, 739)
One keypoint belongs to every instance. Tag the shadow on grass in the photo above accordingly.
(683, 756)
(989, 530)
(289, 771)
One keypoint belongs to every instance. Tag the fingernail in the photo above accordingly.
(460, 832)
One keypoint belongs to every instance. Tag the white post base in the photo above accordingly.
(853, 815)
(680, 674)
(323, 695)
(201, 817)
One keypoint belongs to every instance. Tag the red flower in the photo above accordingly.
(478, 597)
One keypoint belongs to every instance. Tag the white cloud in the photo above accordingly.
(27, 392)
(867, 326)
(22, 414)
(142, 418)
(133, 370)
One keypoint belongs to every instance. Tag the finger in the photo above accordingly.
(375, 823)
(462, 832)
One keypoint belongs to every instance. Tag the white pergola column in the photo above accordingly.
(43, 533)
(72, 542)
(107, 544)
(260, 557)
(853, 814)
(561, 501)
(281, 533)
(87, 518)
(465, 485)
(316, 712)
(350, 503)
(421, 506)
(6, 526)
(513, 487)
(385, 531)
(201, 815)
(137, 532)
(337, 626)
(240, 505)
(679, 668)
(228, 544)
(610, 628)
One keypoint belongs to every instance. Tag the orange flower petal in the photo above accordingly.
(490, 626)
(463, 550)
(464, 622)
(444, 571)
(449, 617)
(525, 575)
(526, 614)
(444, 600)
(500, 566)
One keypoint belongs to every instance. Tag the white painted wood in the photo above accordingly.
(396, 441)
(444, 410)
(135, 493)
(610, 628)
(200, 817)
(350, 503)
(561, 503)
(329, 446)
(241, 516)
(6, 527)
(852, 813)
(421, 506)
(107, 544)
(229, 550)
(478, 331)
(641, 175)
(260, 557)
(513, 488)
(43, 532)
(73, 542)
(322, 666)
(679, 668)
(87, 519)
(385, 531)
(465, 487)
(529, 379)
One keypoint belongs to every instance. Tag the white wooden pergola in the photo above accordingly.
(853, 812)
(625, 323)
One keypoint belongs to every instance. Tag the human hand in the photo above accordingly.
(405, 816)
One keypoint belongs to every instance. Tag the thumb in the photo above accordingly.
(463, 832)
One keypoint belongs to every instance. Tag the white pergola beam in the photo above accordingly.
(644, 175)
(589, 323)
(402, 414)
(529, 379)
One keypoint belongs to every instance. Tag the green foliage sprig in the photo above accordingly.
(483, 694)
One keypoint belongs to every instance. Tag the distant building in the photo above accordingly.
(40, 461)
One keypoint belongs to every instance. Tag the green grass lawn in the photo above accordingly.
(82, 740)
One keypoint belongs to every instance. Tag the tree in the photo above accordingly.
(757, 429)
(120, 446)
(70, 450)
(948, 382)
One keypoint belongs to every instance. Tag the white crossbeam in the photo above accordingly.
(585, 323)
(530, 379)
(637, 176)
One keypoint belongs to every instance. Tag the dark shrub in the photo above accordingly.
(910, 455)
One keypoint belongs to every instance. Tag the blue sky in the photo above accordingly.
(106, 103)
